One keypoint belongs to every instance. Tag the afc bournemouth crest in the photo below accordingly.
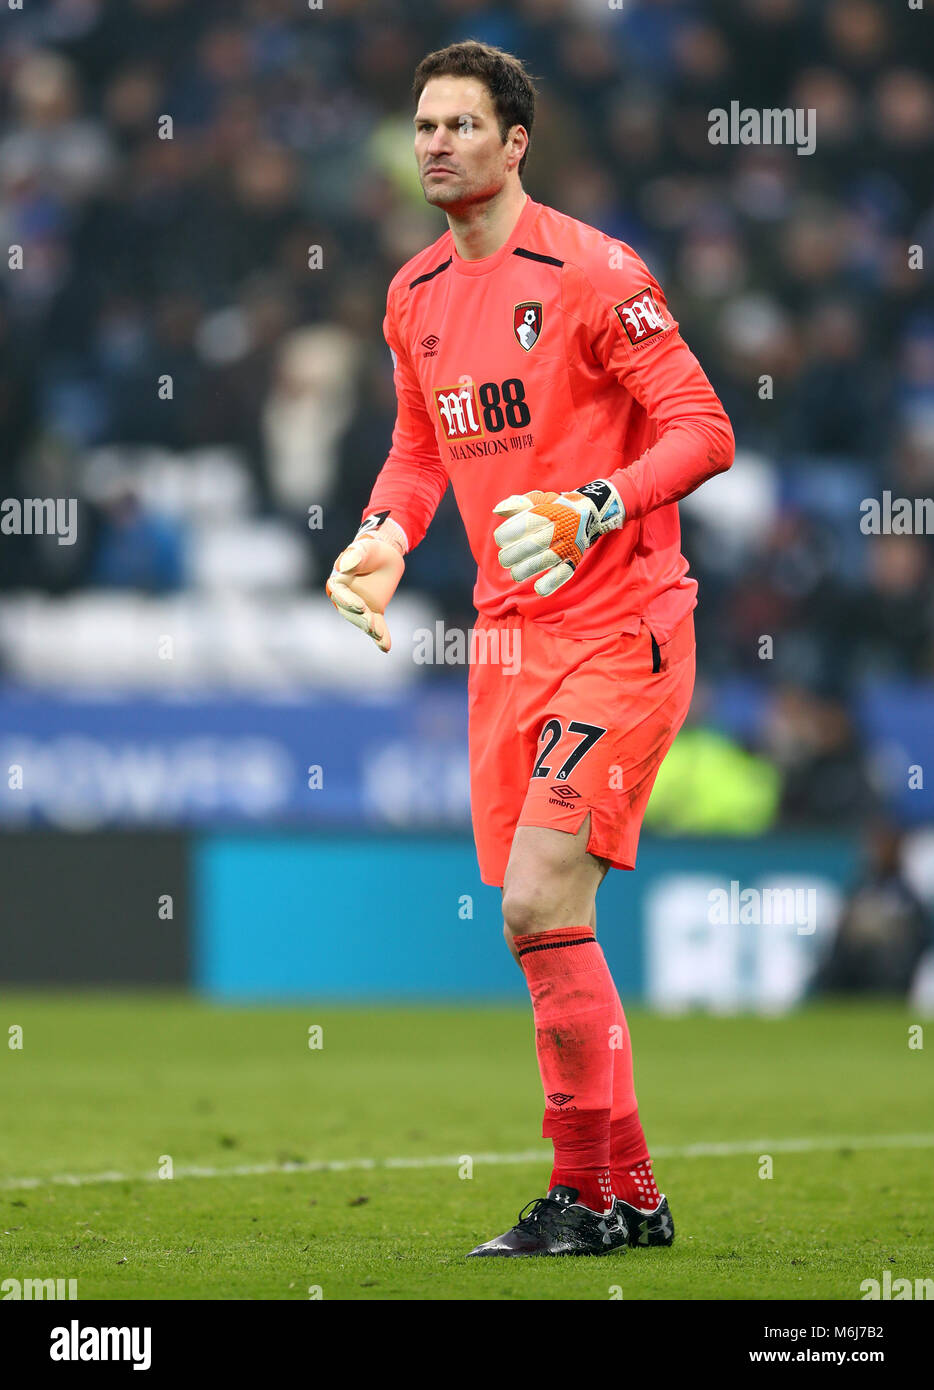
(527, 323)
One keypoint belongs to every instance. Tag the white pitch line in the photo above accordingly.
(349, 1165)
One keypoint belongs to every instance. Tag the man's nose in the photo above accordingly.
(440, 142)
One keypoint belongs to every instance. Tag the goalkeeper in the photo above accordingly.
(539, 370)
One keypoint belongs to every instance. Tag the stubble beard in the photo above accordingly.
(449, 194)
(444, 193)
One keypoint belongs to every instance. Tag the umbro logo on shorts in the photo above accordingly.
(565, 792)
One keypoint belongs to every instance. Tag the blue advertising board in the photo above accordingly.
(398, 760)
(87, 764)
(343, 917)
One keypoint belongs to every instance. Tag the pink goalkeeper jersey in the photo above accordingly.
(550, 363)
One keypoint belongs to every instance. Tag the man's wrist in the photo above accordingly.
(381, 527)
(610, 512)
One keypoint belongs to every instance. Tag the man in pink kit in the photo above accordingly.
(539, 371)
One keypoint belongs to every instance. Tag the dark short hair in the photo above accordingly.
(507, 81)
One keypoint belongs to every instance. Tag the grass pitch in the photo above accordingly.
(107, 1090)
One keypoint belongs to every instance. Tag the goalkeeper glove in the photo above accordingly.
(547, 532)
(364, 579)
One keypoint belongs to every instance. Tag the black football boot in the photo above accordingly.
(560, 1225)
(647, 1227)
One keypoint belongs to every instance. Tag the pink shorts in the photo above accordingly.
(562, 728)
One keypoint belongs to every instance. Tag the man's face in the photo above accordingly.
(461, 158)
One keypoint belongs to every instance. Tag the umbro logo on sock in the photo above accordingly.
(559, 1098)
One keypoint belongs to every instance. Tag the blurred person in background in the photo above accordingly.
(894, 612)
(821, 760)
(884, 928)
(709, 784)
(135, 548)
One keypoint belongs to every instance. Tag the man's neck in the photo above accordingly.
(482, 228)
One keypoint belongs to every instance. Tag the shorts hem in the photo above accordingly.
(610, 855)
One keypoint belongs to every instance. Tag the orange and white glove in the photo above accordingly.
(547, 533)
(365, 577)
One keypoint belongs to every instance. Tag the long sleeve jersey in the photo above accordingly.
(552, 362)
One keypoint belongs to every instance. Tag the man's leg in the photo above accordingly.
(611, 717)
(631, 1174)
(548, 905)
(596, 878)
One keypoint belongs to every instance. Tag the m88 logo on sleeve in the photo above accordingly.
(641, 317)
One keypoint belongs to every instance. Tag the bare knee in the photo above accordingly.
(551, 880)
(529, 905)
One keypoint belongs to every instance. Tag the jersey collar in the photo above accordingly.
(516, 237)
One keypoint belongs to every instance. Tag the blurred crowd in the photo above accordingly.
(188, 257)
